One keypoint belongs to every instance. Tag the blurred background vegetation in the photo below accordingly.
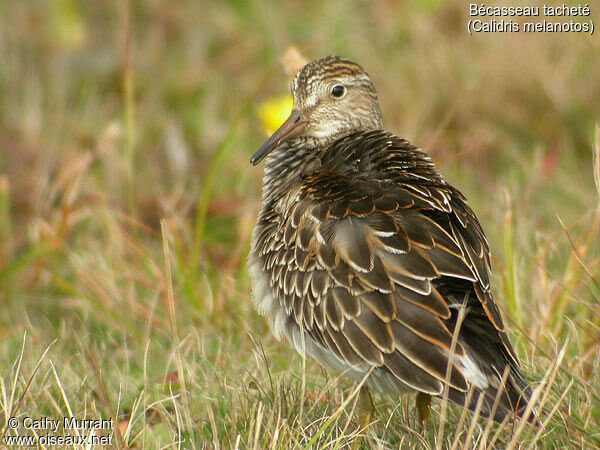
(127, 202)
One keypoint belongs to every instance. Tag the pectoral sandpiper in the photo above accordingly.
(364, 256)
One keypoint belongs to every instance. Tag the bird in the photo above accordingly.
(364, 258)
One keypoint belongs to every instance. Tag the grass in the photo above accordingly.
(127, 203)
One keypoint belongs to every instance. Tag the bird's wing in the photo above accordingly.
(358, 270)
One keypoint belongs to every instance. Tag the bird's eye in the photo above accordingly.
(338, 91)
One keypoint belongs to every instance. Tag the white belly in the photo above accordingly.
(284, 326)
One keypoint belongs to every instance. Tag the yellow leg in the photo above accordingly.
(423, 403)
(366, 408)
(366, 412)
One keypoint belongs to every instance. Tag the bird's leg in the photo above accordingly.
(366, 411)
(423, 403)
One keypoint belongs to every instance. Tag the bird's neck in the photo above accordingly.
(285, 166)
(376, 153)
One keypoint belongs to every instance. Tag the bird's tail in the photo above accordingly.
(499, 400)
(491, 352)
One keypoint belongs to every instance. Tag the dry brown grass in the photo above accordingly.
(127, 202)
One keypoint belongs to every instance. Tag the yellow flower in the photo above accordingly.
(274, 111)
(69, 25)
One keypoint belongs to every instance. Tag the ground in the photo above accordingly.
(127, 202)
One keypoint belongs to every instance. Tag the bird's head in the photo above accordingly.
(333, 97)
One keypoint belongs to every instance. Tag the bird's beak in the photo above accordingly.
(293, 127)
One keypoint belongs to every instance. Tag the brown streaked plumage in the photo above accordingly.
(365, 255)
